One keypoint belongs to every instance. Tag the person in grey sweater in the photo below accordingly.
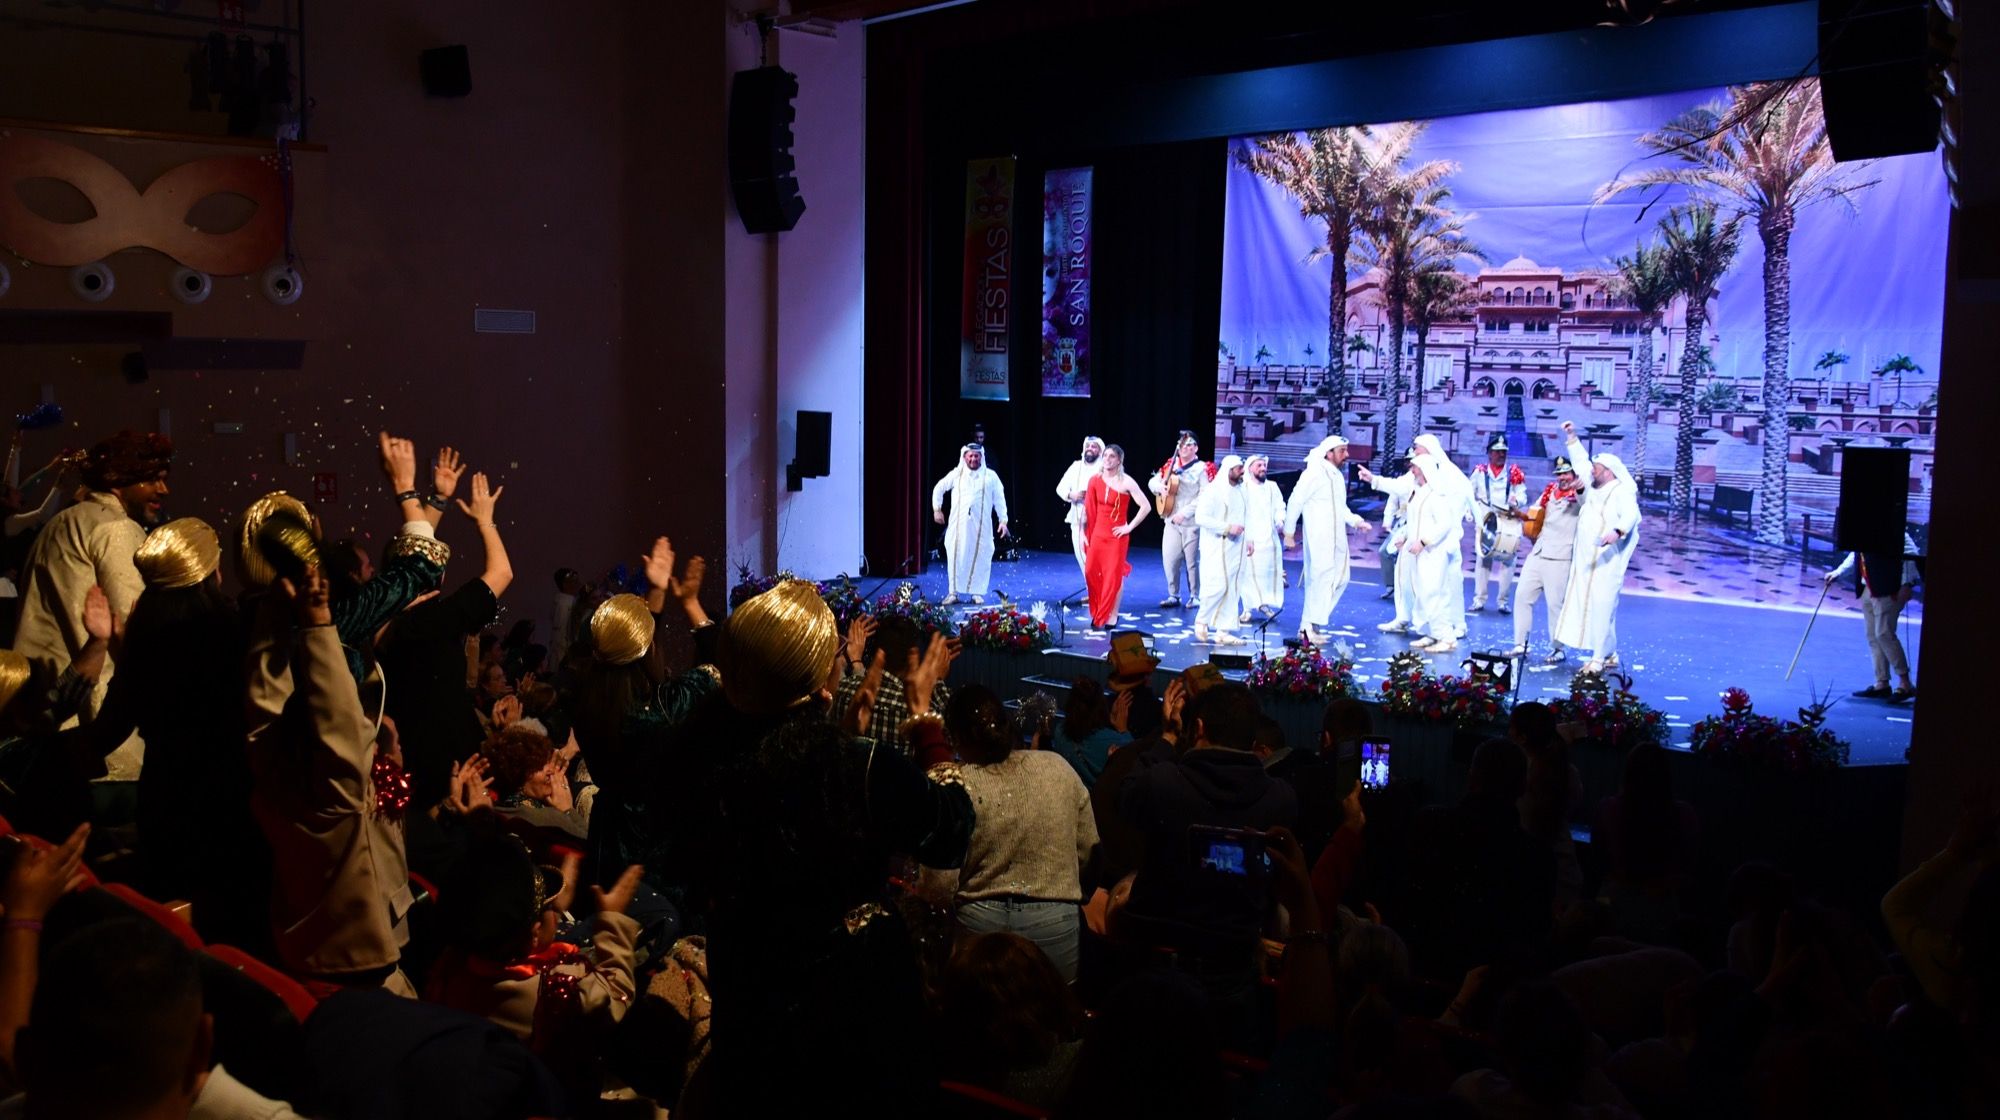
(1032, 836)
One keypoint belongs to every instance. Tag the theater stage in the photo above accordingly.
(1680, 652)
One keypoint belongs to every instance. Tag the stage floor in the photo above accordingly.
(1680, 652)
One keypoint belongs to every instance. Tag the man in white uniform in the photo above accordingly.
(1263, 560)
(1546, 570)
(977, 501)
(1179, 537)
(1499, 490)
(1074, 489)
(1320, 500)
(1220, 514)
(1607, 530)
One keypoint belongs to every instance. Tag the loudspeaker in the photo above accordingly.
(760, 149)
(815, 444)
(1876, 66)
(447, 71)
(1874, 499)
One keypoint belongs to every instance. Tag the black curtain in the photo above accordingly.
(1156, 290)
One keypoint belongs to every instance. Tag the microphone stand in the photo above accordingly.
(902, 571)
(1062, 615)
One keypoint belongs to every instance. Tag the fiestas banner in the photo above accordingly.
(988, 310)
(1066, 236)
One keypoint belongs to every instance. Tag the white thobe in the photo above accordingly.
(976, 499)
(1589, 616)
(1076, 480)
(1429, 582)
(1264, 559)
(1220, 506)
(1320, 501)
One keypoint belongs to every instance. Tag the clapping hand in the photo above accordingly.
(1121, 713)
(658, 563)
(1174, 701)
(859, 630)
(470, 787)
(506, 711)
(98, 621)
(931, 668)
(619, 897)
(861, 710)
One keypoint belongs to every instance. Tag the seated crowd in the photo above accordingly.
(331, 845)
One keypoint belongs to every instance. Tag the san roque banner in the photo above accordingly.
(988, 310)
(1066, 237)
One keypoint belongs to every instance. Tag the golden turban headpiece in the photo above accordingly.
(276, 539)
(777, 648)
(181, 553)
(14, 674)
(621, 630)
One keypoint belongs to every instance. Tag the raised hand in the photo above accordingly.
(1173, 702)
(446, 471)
(309, 599)
(658, 563)
(471, 789)
(619, 897)
(97, 620)
(861, 710)
(1364, 474)
(484, 499)
(922, 681)
(40, 876)
(506, 711)
(688, 587)
(1121, 712)
(399, 462)
(572, 873)
(859, 630)
(1569, 429)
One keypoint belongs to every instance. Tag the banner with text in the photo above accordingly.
(1066, 237)
(988, 310)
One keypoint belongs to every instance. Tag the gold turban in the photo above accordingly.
(777, 649)
(181, 553)
(14, 674)
(275, 523)
(621, 630)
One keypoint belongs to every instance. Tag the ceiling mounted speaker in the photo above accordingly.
(283, 285)
(93, 281)
(191, 285)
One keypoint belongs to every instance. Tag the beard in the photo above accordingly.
(1090, 456)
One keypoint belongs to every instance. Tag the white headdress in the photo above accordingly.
(1441, 473)
(1318, 453)
(1229, 463)
(1616, 466)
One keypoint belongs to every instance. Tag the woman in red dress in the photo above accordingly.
(1107, 535)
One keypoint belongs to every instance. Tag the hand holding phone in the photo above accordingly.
(1374, 763)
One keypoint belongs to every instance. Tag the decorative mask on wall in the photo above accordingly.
(155, 218)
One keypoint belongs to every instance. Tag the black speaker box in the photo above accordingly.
(1875, 66)
(447, 71)
(813, 455)
(760, 149)
(1874, 499)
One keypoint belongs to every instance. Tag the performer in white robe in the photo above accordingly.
(1606, 533)
(1263, 560)
(1221, 514)
(1074, 489)
(977, 500)
(1320, 501)
(1430, 585)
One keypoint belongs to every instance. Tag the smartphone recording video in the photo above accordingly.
(1374, 763)
(1238, 853)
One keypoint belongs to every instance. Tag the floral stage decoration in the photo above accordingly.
(1006, 627)
(909, 602)
(1615, 717)
(1305, 672)
(1411, 690)
(1740, 735)
(842, 599)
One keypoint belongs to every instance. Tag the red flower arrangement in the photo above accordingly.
(1303, 673)
(1617, 719)
(1740, 735)
(1005, 628)
(1411, 690)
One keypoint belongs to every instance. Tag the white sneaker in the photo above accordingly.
(979, 600)
(1244, 617)
(1393, 626)
(1593, 666)
(949, 600)
(1421, 642)
(1443, 644)
(1225, 638)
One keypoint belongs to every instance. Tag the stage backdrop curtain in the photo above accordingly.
(1156, 289)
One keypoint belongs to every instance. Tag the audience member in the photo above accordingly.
(1649, 840)
(1089, 730)
(1554, 793)
(1011, 1022)
(899, 641)
(1032, 835)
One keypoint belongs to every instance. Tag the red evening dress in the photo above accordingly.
(1104, 566)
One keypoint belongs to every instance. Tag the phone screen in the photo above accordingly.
(1227, 857)
(1374, 763)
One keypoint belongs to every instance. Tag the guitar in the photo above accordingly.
(1164, 503)
(1531, 522)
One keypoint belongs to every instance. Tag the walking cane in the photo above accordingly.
(1825, 586)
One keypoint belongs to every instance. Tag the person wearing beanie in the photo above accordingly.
(91, 544)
